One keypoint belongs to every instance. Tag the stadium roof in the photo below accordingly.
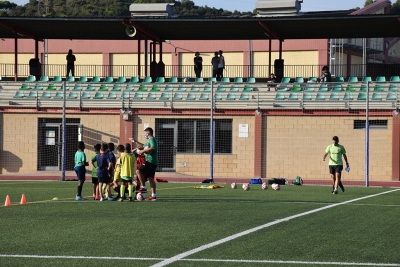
(305, 26)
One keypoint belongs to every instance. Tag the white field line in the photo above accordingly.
(200, 260)
(232, 237)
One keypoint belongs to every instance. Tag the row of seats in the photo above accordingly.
(340, 79)
(335, 96)
(134, 79)
(334, 87)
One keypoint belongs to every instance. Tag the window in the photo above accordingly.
(373, 124)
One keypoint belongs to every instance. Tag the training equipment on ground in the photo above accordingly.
(56, 198)
(264, 186)
(8, 201)
(246, 187)
(276, 187)
(140, 196)
(23, 200)
(233, 185)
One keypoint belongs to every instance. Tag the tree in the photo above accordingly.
(368, 2)
(6, 7)
(395, 8)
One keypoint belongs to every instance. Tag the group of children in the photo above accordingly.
(108, 172)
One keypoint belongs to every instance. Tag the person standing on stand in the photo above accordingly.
(214, 63)
(70, 63)
(198, 64)
(221, 66)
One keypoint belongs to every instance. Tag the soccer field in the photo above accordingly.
(298, 225)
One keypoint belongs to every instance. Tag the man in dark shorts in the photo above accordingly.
(335, 152)
(148, 168)
(103, 166)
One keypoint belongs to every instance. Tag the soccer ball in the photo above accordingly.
(140, 196)
(276, 187)
(264, 186)
(246, 187)
(233, 185)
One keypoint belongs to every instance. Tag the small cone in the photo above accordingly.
(23, 199)
(8, 202)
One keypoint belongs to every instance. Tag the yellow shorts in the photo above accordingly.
(117, 175)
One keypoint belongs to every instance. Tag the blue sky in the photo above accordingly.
(249, 5)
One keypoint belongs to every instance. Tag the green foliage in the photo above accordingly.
(368, 2)
(395, 8)
(6, 7)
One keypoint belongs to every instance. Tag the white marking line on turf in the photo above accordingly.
(232, 237)
(199, 260)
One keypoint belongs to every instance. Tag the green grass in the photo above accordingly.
(184, 218)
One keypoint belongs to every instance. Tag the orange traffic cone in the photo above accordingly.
(8, 202)
(23, 199)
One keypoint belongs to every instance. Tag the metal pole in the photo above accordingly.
(364, 67)
(64, 133)
(212, 134)
(367, 138)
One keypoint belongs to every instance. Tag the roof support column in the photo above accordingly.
(138, 60)
(258, 135)
(36, 48)
(280, 48)
(269, 56)
(146, 60)
(15, 56)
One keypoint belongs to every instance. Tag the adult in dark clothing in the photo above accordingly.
(70, 63)
(198, 64)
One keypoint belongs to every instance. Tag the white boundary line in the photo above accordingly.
(230, 238)
(200, 260)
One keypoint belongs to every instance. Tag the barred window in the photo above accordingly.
(373, 124)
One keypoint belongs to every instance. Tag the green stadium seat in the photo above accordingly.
(112, 95)
(181, 88)
(30, 79)
(191, 96)
(204, 97)
(38, 86)
(62, 87)
(309, 88)
(337, 88)
(293, 96)
(221, 88)
(95, 79)
(323, 87)
(307, 97)
(19, 94)
(353, 79)
(348, 96)
(378, 88)
(129, 87)
(125, 95)
(33, 94)
(207, 88)
(51, 87)
(225, 80)
(82, 79)
(376, 96)
(282, 88)
(334, 97)
(195, 88)
(59, 95)
(351, 87)
(57, 79)
(72, 95)
(395, 79)
(177, 96)
(147, 79)
(285, 80)
(45, 95)
(103, 87)
(173, 80)
(155, 88)
(134, 79)
(77, 87)
(116, 87)
(121, 79)
(164, 96)
(44, 79)
(151, 96)
(230, 96)
(199, 80)
(244, 96)
(212, 79)
(90, 87)
(362, 96)
(85, 95)
(296, 87)
(251, 80)
(138, 96)
(367, 79)
(218, 96)
(247, 89)
(70, 79)
(279, 96)
(160, 80)
(320, 96)
(234, 88)
(391, 96)
(142, 87)
(108, 79)
(238, 80)
(24, 87)
(98, 95)
(339, 79)
(363, 87)
(299, 80)
(393, 87)
(168, 88)
(312, 79)
(381, 79)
